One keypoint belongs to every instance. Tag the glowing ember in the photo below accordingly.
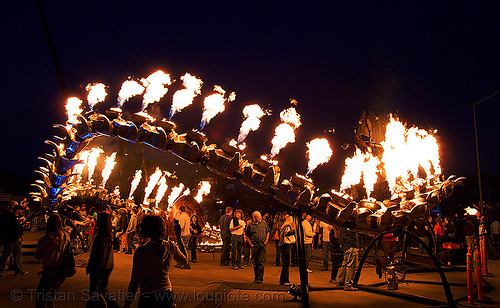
(252, 115)
(135, 183)
(162, 189)
(97, 94)
(184, 97)
(92, 162)
(269, 160)
(108, 167)
(214, 104)
(319, 152)
(73, 109)
(116, 191)
(174, 194)
(203, 190)
(471, 211)
(129, 89)
(153, 180)
(285, 132)
(155, 88)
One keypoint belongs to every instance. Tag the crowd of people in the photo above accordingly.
(140, 231)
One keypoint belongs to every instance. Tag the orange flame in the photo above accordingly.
(184, 97)
(319, 152)
(153, 180)
(162, 189)
(405, 151)
(73, 109)
(92, 162)
(214, 104)
(106, 171)
(78, 168)
(285, 132)
(203, 190)
(252, 115)
(97, 93)
(174, 194)
(155, 87)
(129, 89)
(135, 182)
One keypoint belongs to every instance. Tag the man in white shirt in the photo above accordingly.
(325, 243)
(183, 219)
(308, 239)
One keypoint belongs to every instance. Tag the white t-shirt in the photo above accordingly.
(240, 230)
(184, 223)
(326, 231)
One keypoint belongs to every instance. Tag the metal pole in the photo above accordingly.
(477, 159)
(481, 206)
(304, 281)
(52, 48)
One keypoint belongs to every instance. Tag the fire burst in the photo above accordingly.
(203, 190)
(73, 109)
(214, 104)
(252, 115)
(162, 189)
(97, 93)
(92, 162)
(155, 88)
(106, 172)
(285, 132)
(135, 183)
(153, 180)
(184, 97)
(129, 89)
(319, 152)
(406, 152)
(174, 194)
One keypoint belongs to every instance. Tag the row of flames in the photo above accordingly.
(88, 159)
(153, 88)
(406, 151)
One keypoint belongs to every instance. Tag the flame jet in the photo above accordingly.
(106, 171)
(135, 183)
(155, 88)
(319, 152)
(184, 97)
(252, 115)
(129, 89)
(214, 104)
(285, 132)
(153, 180)
(97, 94)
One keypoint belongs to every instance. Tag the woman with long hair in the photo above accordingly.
(195, 230)
(101, 261)
(51, 250)
(151, 267)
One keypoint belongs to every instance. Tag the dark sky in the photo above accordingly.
(426, 61)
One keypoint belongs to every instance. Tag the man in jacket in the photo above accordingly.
(257, 233)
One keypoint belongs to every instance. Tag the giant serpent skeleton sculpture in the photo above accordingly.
(298, 192)
(262, 176)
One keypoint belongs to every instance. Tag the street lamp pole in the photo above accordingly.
(481, 206)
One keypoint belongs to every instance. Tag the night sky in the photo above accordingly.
(427, 62)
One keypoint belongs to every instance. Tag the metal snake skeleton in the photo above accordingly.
(261, 176)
